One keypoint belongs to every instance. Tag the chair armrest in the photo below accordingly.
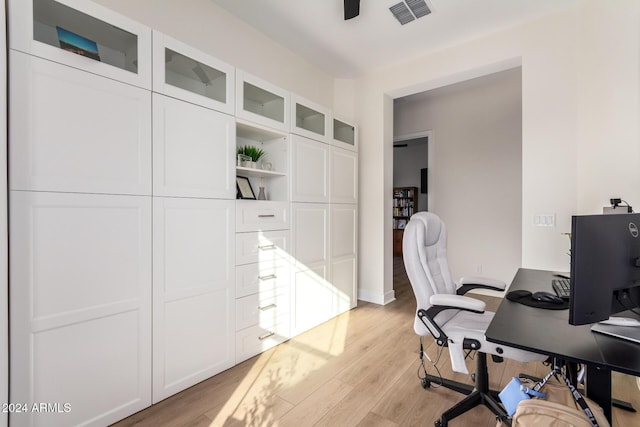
(442, 302)
(459, 302)
(468, 283)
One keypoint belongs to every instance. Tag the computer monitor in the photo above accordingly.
(605, 266)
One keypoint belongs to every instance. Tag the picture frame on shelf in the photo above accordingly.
(77, 44)
(244, 189)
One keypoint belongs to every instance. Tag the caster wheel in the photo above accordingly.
(425, 383)
(473, 377)
(438, 423)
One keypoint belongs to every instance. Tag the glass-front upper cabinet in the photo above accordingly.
(261, 102)
(345, 135)
(84, 35)
(186, 73)
(310, 120)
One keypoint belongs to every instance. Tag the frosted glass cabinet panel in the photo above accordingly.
(80, 291)
(186, 73)
(194, 291)
(193, 150)
(345, 135)
(261, 102)
(83, 35)
(310, 119)
(75, 131)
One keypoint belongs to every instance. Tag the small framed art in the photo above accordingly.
(244, 190)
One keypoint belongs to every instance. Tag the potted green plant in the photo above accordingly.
(254, 153)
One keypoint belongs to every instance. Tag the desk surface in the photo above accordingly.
(549, 332)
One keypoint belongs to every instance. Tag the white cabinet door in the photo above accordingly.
(122, 45)
(310, 119)
(73, 131)
(344, 262)
(344, 176)
(80, 289)
(193, 298)
(193, 150)
(310, 170)
(186, 73)
(312, 293)
(261, 102)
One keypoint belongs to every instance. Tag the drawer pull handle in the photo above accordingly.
(266, 216)
(267, 247)
(269, 277)
(265, 336)
(267, 307)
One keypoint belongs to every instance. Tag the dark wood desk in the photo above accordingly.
(549, 332)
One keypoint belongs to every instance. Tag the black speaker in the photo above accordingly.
(351, 9)
(423, 181)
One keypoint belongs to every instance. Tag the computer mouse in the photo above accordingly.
(547, 297)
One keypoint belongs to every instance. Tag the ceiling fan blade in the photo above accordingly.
(351, 9)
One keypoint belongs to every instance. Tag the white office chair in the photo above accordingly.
(455, 321)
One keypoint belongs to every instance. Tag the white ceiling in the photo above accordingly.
(316, 30)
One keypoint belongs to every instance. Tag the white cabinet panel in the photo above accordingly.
(256, 339)
(80, 289)
(262, 277)
(186, 73)
(312, 298)
(193, 300)
(344, 250)
(265, 309)
(310, 234)
(310, 170)
(261, 215)
(193, 150)
(264, 246)
(123, 45)
(344, 176)
(73, 131)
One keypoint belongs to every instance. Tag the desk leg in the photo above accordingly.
(599, 388)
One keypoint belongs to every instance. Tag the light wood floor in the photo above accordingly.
(359, 369)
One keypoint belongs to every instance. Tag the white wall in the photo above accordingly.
(208, 27)
(580, 89)
(476, 177)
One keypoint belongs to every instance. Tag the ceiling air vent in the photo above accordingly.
(418, 7)
(402, 13)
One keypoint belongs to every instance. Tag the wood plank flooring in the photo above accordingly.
(359, 369)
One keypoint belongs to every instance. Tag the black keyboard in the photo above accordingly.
(561, 288)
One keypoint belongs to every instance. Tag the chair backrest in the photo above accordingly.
(424, 249)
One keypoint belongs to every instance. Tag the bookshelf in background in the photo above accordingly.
(405, 203)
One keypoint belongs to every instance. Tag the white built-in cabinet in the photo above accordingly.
(135, 270)
(193, 291)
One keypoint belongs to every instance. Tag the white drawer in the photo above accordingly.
(261, 215)
(262, 246)
(255, 340)
(265, 310)
(261, 277)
